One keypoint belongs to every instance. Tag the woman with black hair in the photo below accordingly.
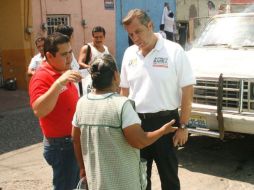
(107, 134)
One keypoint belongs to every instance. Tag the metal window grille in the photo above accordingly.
(54, 20)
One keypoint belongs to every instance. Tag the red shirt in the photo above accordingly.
(58, 122)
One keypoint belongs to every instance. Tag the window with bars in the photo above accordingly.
(54, 20)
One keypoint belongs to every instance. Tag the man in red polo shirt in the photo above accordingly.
(53, 98)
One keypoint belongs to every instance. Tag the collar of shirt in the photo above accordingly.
(43, 58)
(46, 66)
(157, 47)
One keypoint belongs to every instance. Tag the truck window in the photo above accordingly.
(233, 32)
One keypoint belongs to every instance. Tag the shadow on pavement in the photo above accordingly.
(11, 100)
(231, 159)
(18, 125)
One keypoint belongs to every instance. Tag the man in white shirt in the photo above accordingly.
(38, 58)
(91, 50)
(168, 21)
(165, 12)
(157, 75)
(97, 47)
(169, 26)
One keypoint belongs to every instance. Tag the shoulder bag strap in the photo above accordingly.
(87, 60)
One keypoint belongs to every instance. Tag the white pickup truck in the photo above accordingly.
(223, 62)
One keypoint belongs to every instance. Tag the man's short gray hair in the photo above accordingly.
(141, 15)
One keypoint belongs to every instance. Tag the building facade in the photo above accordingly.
(25, 20)
(22, 21)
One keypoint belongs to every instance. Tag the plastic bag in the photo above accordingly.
(82, 184)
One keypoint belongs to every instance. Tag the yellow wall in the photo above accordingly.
(15, 44)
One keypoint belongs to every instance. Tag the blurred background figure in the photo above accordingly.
(169, 26)
(38, 58)
(88, 53)
(97, 47)
(161, 31)
(165, 12)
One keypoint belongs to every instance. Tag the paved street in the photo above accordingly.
(204, 163)
(19, 127)
(21, 162)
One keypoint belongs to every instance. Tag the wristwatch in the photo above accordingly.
(183, 126)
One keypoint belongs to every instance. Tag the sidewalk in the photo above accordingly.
(25, 169)
(22, 165)
(204, 164)
(21, 162)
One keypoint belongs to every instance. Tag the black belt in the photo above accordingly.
(157, 114)
(50, 140)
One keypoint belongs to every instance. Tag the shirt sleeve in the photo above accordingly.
(124, 82)
(74, 63)
(129, 115)
(165, 12)
(37, 88)
(184, 70)
(75, 120)
(32, 64)
(75, 116)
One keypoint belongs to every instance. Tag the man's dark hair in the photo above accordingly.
(102, 71)
(53, 40)
(39, 39)
(64, 29)
(171, 14)
(98, 29)
(162, 27)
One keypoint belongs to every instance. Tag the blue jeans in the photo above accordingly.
(59, 154)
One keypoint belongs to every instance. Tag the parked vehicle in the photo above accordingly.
(192, 16)
(223, 61)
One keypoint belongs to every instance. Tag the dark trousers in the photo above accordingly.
(59, 154)
(169, 35)
(163, 153)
